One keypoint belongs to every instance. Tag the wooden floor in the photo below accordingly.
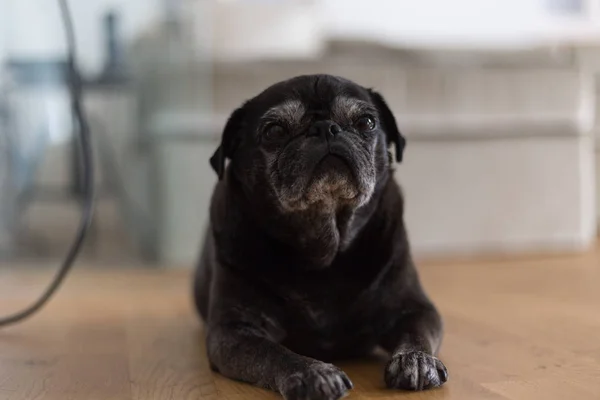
(516, 329)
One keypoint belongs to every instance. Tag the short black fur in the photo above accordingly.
(307, 260)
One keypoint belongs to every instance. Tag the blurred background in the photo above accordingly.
(498, 100)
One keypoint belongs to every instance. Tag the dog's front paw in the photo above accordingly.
(319, 381)
(415, 371)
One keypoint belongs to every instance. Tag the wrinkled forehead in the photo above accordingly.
(293, 104)
(340, 109)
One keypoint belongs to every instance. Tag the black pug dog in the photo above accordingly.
(307, 258)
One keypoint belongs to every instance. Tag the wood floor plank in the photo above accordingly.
(541, 389)
(167, 360)
(521, 329)
(89, 368)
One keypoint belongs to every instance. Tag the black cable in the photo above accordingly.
(85, 146)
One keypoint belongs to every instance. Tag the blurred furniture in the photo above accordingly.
(36, 115)
(44, 155)
(500, 122)
(500, 144)
(7, 202)
(165, 169)
(500, 153)
(500, 130)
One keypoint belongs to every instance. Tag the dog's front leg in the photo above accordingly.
(413, 341)
(246, 353)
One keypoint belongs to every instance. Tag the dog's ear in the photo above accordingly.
(389, 124)
(229, 141)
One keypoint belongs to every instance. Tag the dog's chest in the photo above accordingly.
(328, 301)
(325, 329)
(318, 316)
(328, 314)
(332, 311)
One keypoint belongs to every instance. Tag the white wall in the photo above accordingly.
(458, 23)
(267, 29)
(33, 28)
(298, 28)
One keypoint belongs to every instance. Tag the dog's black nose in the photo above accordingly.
(325, 129)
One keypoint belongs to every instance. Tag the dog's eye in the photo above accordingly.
(365, 124)
(274, 132)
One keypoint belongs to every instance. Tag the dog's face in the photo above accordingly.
(312, 141)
